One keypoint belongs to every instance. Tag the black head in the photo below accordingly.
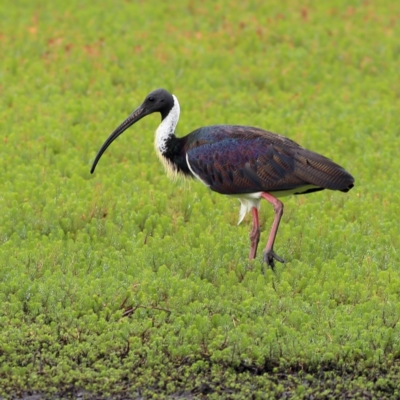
(158, 100)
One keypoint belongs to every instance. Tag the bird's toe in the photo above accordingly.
(269, 258)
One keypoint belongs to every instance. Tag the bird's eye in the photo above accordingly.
(151, 99)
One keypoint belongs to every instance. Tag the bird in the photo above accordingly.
(243, 162)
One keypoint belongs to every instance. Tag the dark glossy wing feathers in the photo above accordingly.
(237, 160)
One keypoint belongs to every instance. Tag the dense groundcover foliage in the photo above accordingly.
(124, 283)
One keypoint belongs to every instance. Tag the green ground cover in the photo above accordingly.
(125, 283)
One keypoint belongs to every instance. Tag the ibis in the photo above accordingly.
(244, 162)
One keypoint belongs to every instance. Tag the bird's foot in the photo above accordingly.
(270, 257)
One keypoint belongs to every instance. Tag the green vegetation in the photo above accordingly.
(124, 282)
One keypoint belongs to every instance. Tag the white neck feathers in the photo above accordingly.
(167, 127)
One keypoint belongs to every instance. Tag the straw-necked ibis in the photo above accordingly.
(240, 161)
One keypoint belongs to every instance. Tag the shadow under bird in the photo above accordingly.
(247, 163)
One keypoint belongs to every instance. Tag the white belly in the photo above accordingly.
(250, 200)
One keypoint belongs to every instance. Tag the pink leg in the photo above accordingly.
(269, 255)
(254, 234)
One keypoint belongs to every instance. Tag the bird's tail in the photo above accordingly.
(321, 171)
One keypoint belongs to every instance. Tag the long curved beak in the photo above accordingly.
(138, 114)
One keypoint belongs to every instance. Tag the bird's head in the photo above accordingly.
(159, 100)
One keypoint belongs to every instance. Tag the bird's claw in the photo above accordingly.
(270, 256)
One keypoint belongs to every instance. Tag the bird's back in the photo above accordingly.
(234, 159)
